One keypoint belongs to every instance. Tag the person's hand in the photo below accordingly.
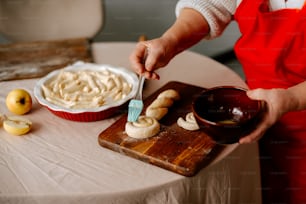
(150, 55)
(279, 101)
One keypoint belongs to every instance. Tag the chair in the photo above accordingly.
(36, 20)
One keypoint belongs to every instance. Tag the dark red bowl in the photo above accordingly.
(226, 113)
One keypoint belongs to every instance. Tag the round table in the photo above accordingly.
(60, 161)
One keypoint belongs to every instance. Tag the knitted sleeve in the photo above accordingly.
(218, 13)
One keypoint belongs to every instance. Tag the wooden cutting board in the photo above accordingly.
(35, 59)
(174, 148)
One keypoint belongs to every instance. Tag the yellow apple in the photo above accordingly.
(19, 101)
(17, 125)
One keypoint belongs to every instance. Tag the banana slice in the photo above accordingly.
(16, 125)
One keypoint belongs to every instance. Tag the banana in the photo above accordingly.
(17, 125)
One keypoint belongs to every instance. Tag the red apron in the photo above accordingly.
(272, 51)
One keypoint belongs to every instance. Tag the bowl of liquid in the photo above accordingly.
(226, 113)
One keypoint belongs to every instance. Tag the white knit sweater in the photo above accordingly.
(218, 13)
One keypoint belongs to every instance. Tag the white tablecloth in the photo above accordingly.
(60, 161)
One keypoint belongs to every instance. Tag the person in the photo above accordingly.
(272, 52)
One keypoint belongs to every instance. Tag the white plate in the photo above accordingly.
(128, 75)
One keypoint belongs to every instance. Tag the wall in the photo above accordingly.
(125, 20)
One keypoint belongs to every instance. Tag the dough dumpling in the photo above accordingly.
(144, 127)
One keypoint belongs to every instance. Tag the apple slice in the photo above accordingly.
(17, 125)
(1, 119)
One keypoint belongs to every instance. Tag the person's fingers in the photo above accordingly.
(144, 60)
(156, 57)
(151, 60)
(254, 136)
(256, 94)
(151, 75)
(154, 75)
(137, 67)
(137, 58)
(259, 131)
